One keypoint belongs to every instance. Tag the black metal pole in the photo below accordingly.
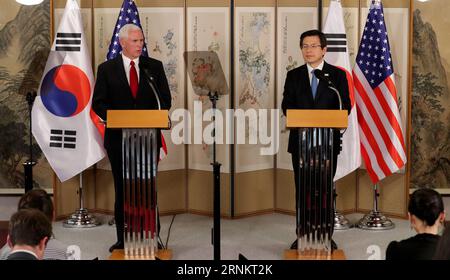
(232, 146)
(28, 165)
(319, 8)
(216, 181)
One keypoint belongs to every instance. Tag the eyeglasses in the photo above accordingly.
(310, 47)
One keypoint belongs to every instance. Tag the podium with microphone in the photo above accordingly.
(315, 198)
(140, 132)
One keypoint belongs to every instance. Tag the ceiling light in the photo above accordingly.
(29, 2)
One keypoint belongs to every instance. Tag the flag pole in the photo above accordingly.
(28, 165)
(375, 220)
(340, 221)
(319, 10)
(81, 217)
(378, 161)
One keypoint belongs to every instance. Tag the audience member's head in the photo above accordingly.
(37, 199)
(443, 247)
(426, 210)
(29, 229)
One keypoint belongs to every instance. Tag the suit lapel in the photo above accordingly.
(322, 87)
(304, 76)
(142, 80)
(123, 75)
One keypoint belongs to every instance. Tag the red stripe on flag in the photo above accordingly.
(372, 174)
(163, 149)
(98, 123)
(351, 88)
(372, 142)
(163, 144)
(395, 125)
(380, 128)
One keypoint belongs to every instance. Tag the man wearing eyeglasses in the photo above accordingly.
(303, 90)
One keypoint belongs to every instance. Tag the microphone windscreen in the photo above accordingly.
(318, 73)
(143, 63)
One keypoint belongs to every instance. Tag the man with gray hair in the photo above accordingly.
(121, 85)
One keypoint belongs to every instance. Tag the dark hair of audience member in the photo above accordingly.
(29, 227)
(426, 204)
(37, 199)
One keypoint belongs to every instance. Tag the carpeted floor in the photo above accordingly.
(262, 237)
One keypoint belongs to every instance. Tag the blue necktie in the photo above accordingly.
(314, 83)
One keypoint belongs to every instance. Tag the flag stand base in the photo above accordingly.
(341, 222)
(81, 219)
(375, 221)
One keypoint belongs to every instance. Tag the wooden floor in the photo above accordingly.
(314, 255)
(119, 255)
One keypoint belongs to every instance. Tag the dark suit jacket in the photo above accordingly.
(21, 256)
(298, 95)
(112, 92)
(419, 247)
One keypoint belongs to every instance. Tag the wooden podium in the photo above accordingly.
(315, 211)
(140, 164)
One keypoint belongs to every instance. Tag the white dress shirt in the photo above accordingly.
(127, 66)
(310, 69)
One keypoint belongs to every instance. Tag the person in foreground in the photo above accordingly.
(28, 234)
(426, 214)
(121, 85)
(302, 90)
(40, 200)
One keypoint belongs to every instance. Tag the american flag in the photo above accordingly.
(382, 142)
(129, 14)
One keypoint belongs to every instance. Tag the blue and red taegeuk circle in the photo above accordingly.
(65, 90)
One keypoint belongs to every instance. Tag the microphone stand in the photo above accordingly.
(150, 80)
(28, 165)
(340, 222)
(213, 97)
(212, 80)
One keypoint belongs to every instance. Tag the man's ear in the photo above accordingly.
(43, 243)
(411, 218)
(442, 218)
(9, 242)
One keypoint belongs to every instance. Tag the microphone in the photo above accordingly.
(324, 77)
(151, 81)
(321, 76)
